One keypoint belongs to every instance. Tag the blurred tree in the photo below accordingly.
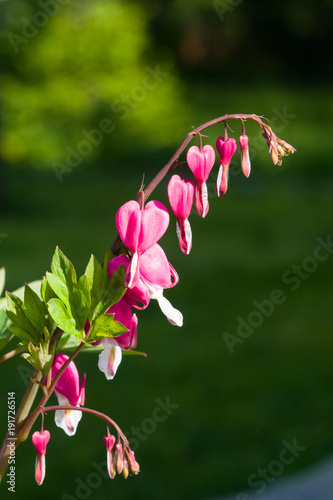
(81, 82)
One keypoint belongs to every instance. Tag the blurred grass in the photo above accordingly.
(235, 410)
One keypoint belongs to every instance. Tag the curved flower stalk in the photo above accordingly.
(181, 194)
(69, 391)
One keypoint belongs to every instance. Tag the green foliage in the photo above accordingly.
(86, 299)
(39, 356)
(53, 97)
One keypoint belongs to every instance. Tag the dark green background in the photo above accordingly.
(235, 409)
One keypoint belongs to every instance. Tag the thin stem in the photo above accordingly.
(23, 426)
(98, 414)
(12, 353)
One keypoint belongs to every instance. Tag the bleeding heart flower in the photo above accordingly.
(156, 274)
(226, 149)
(181, 194)
(69, 391)
(110, 358)
(201, 162)
(140, 228)
(40, 441)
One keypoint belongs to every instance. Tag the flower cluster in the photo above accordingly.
(96, 312)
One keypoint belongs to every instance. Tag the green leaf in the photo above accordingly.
(5, 334)
(63, 268)
(133, 352)
(62, 317)
(60, 288)
(111, 290)
(68, 343)
(2, 279)
(20, 333)
(105, 326)
(46, 291)
(17, 315)
(35, 309)
(82, 300)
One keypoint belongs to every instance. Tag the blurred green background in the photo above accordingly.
(93, 95)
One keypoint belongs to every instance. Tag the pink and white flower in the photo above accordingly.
(156, 274)
(140, 228)
(201, 162)
(40, 441)
(69, 391)
(226, 149)
(110, 358)
(181, 194)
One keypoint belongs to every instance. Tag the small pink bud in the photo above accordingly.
(226, 149)
(120, 458)
(40, 440)
(244, 147)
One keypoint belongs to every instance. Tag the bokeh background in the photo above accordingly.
(93, 95)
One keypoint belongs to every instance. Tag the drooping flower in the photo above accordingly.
(69, 391)
(181, 194)
(109, 441)
(110, 358)
(226, 149)
(140, 228)
(156, 274)
(201, 162)
(40, 441)
(244, 147)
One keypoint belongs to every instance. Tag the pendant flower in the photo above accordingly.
(244, 147)
(226, 149)
(181, 194)
(156, 274)
(40, 441)
(69, 391)
(140, 228)
(110, 358)
(201, 162)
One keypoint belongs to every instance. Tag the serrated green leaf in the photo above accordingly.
(62, 267)
(62, 317)
(34, 309)
(17, 315)
(105, 326)
(2, 279)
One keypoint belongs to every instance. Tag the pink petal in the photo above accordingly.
(181, 194)
(69, 383)
(201, 162)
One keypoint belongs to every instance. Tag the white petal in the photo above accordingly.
(174, 316)
(204, 199)
(67, 420)
(188, 235)
(134, 265)
(219, 178)
(110, 358)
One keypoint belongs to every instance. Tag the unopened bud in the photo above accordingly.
(120, 458)
(244, 146)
